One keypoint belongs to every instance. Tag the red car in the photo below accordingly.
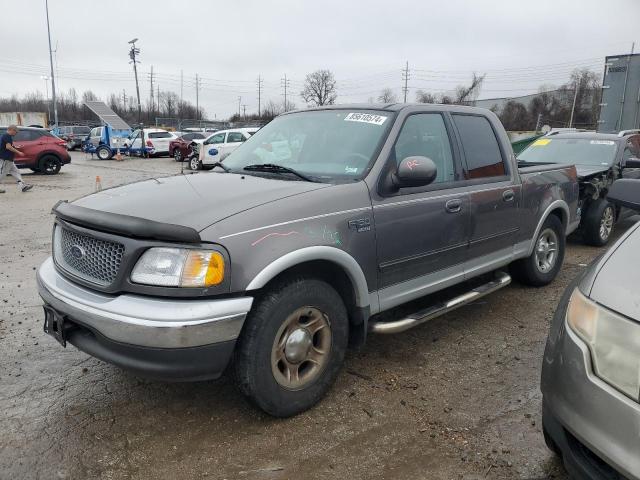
(43, 151)
(180, 149)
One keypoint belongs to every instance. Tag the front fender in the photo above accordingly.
(319, 252)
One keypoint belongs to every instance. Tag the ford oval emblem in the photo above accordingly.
(213, 152)
(77, 252)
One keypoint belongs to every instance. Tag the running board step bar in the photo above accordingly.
(501, 280)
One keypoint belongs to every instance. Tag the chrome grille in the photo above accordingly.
(89, 258)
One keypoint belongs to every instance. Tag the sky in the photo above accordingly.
(519, 45)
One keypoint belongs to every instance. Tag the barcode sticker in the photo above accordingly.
(365, 118)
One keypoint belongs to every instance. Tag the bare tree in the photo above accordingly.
(387, 96)
(468, 93)
(425, 97)
(319, 88)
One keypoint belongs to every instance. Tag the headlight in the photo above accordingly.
(179, 267)
(613, 340)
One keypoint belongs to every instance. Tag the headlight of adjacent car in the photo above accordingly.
(179, 267)
(613, 340)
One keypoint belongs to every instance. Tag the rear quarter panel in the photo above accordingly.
(541, 187)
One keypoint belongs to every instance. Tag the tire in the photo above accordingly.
(177, 155)
(104, 153)
(272, 358)
(49, 165)
(195, 163)
(541, 267)
(34, 170)
(598, 222)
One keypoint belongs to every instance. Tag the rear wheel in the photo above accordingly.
(177, 154)
(544, 263)
(598, 222)
(104, 153)
(292, 346)
(50, 165)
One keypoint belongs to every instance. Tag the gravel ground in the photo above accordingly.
(457, 398)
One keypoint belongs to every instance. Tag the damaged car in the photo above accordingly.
(600, 160)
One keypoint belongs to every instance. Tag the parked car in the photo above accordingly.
(219, 146)
(156, 139)
(600, 159)
(43, 151)
(74, 135)
(288, 252)
(591, 368)
(180, 147)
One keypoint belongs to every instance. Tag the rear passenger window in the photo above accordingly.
(481, 148)
(160, 135)
(425, 135)
(235, 137)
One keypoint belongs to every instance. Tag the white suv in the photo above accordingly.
(218, 146)
(155, 138)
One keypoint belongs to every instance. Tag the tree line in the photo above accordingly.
(552, 106)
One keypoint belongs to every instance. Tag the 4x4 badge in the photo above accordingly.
(360, 224)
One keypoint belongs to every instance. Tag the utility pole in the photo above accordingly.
(284, 82)
(46, 89)
(124, 99)
(158, 100)
(539, 122)
(405, 77)
(239, 102)
(53, 82)
(244, 112)
(132, 55)
(260, 81)
(197, 97)
(573, 107)
(151, 91)
(181, 85)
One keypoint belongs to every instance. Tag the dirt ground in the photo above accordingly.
(457, 398)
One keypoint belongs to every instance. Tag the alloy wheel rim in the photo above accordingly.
(546, 250)
(194, 164)
(606, 223)
(301, 348)
(177, 155)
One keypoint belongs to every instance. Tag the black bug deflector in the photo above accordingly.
(124, 224)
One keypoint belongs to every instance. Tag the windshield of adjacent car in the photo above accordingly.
(570, 151)
(327, 145)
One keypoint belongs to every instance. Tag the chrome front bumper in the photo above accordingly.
(144, 321)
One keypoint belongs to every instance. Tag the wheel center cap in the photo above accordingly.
(297, 345)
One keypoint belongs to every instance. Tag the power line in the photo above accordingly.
(260, 82)
(284, 82)
(405, 77)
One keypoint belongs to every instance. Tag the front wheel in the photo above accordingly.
(104, 153)
(177, 155)
(292, 346)
(195, 164)
(544, 263)
(598, 222)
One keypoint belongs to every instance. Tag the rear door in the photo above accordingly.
(494, 194)
(234, 140)
(422, 233)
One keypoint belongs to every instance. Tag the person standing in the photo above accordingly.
(7, 153)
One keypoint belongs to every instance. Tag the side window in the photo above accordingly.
(219, 138)
(188, 137)
(425, 135)
(481, 148)
(26, 135)
(235, 137)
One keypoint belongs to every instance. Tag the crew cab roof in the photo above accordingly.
(395, 107)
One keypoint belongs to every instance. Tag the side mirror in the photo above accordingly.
(414, 172)
(632, 162)
(626, 193)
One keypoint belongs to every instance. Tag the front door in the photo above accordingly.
(213, 148)
(30, 143)
(494, 196)
(421, 233)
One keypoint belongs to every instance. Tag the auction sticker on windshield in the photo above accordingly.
(542, 142)
(365, 118)
(601, 142)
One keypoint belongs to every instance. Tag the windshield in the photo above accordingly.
(570, 151)
(327, 145)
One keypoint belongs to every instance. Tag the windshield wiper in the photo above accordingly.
(221, 165)
(273, 168)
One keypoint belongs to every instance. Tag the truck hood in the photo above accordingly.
(195, 201)
(615, 284)
(586, 171)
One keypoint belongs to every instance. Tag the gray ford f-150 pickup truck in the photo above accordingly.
(286, 253)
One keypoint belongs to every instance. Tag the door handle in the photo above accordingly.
(18, 146)
(453, 206)
(508, 195)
